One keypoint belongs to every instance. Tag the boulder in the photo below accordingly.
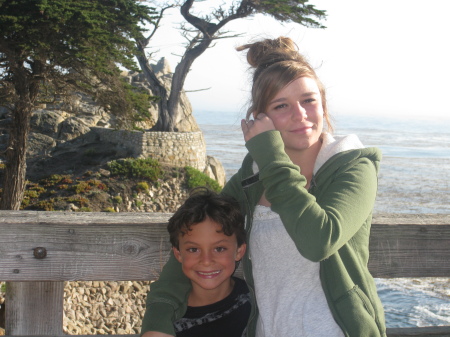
(214, 169)
(40, 144)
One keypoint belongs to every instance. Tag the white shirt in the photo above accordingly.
(289, 294)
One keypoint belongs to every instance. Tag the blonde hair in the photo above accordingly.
(277, 63)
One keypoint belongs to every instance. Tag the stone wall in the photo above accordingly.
(169, 148)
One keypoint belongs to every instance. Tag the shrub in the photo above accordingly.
(109, 209)
(51, 180)
(45, 205)
(195, 178)
(30, 194)
(85, 209)
(139, 168)
(142, 187)
(78, 200)
(117, 199)
(82, 187)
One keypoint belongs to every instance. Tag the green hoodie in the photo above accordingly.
(329, 223)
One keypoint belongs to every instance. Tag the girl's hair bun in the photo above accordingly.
(269, 51)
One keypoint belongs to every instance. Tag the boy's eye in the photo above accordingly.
(192, 250)
(220, 249)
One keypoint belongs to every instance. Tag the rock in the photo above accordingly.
(104, 173)
(48, 122)
(214, 169)
(40, 144)
(72, 128)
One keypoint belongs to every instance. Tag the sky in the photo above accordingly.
(384, 57)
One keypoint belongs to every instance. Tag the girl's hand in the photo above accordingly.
(260, 124)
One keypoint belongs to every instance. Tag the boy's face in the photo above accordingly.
(208, 258)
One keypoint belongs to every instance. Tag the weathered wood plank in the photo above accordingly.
(135, 246)
(410, 250)
(435, 331)
(34, 308)
(442, 331)
(95, 251)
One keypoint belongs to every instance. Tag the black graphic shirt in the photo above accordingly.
(226, 318)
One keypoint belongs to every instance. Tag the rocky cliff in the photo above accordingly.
(65, 132)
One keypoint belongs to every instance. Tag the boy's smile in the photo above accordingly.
(208, 259)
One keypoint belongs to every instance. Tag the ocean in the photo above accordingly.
(414, 178)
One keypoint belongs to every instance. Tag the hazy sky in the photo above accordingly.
(386, 57)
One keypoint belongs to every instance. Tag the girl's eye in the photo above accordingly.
(220, 249)
(309, 100)
(281, 106)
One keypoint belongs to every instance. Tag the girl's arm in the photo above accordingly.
(319, 227)
(167, 299)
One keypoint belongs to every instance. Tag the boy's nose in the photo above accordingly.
(206, 258)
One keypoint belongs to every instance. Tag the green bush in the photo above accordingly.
(117, 199)
(142, 187)
(82, 187)
(138, 168)
(31, 194)
(195, 178)
(51, 180)
(109, 209)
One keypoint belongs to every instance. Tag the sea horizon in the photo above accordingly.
(413, 170)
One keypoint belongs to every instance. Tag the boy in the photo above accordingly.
(208, 239)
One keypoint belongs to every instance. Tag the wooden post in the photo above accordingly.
(34, 308)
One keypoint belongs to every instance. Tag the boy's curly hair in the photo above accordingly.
(204, 203)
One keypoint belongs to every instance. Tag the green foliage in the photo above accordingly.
(85, 209)
(51, 180)
(117, 199)
(88, 185)
(44, 205)
(195, 178)
(81, 187)
(138, 203)
(90, 153)
(109, 209)
(142, 187)
(51, 49)
(79, 201)
(78, 31)
(138, 168)
(298, 11)
(29, 194)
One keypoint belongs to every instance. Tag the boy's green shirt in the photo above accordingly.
(330, 223)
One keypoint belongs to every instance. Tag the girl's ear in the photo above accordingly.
(177, 254)
(240, 252)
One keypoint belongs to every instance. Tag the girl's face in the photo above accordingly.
(296, 111)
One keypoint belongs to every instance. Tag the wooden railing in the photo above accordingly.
(41, 250)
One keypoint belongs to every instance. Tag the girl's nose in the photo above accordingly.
(299, 112)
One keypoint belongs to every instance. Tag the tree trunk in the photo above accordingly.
(15, 168)
(179, 77)
(165, 121)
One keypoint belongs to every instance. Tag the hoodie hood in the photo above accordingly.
(334, 145)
